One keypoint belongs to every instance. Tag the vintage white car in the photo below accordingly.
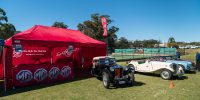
(166, 69)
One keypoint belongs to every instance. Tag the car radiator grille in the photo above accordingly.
(118, 73)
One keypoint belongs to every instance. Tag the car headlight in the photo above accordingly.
(126, 68)
(173, 66)
(133, 69)
(129, 69)
(112, 69)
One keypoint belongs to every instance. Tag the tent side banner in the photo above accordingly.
(40, 64)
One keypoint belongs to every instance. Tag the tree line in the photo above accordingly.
(123, 43)
(6, 29)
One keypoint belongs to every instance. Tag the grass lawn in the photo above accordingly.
(147, 87)
(190, 54)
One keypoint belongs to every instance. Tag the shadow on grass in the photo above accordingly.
(190, 72)
(17, 90)
(148, 74)
(137, 83)
(157, 75)
(179, 78)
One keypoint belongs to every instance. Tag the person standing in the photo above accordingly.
(198, 61)
(178, 55)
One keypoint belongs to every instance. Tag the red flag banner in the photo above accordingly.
(104, 24)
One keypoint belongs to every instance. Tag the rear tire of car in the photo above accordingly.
(166, 74)
(106, 80)
(132, 79)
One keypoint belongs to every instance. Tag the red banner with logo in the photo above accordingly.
(32, 65)
(24, 75)
(32, 55)
(104, 24)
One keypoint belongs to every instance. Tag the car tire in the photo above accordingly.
(166, 74)
(106, 80)
(116, 84)
(182, 67)
(132, 79)
(132, 67)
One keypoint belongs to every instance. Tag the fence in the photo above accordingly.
(126, 54)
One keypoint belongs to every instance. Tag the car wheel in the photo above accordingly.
(131, 66)
(182, 66)
(106, 80)
(132, 79)
(116, 84)
(166, 74)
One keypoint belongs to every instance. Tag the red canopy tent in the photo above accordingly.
(45, 33)
(43, 54)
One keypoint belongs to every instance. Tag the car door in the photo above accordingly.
(144, 66)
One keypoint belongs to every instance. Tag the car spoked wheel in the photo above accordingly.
(106, 80)
(166, 74)
(182, 67)
(132, 79)
(131, 66)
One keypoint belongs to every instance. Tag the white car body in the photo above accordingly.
(157, 67)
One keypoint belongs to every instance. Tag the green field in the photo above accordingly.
(147, 87)
(190, 54)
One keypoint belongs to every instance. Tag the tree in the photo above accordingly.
(59, 25)
(3, 16)
(94, 29)
(145, 43)
(150, 43)
(172, 43)
(122, 43)
(6, 29)
(171, 40)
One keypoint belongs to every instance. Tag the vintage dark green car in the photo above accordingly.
(105, 67)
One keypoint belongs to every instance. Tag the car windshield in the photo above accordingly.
(101, 60)
(141, 61)
(112, 61)
(169, 58)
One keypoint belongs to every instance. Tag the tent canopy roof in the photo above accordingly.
(46, 33)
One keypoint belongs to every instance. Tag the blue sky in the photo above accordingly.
(136, 19)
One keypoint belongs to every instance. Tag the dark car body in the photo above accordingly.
(116, 73)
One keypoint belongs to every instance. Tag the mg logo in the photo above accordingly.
(66, 71)
(40, 74)
(24, 76)
(54, 72)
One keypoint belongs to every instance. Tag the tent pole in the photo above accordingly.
(107, 46)
(4, 65)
